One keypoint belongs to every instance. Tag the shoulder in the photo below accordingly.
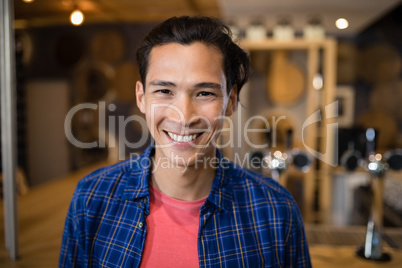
(260, 193)
(111, 181)
(247, 180)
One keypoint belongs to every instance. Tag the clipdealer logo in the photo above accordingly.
(329, 157)
(109, 138)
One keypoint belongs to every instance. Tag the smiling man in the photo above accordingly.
(189, 207)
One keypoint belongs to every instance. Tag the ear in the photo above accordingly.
(232, 103)
(140, 96)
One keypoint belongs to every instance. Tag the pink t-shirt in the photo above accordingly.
(172, 231)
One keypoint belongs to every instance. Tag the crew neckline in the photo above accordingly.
(159, 196)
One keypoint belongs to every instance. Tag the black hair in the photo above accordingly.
(209, 31)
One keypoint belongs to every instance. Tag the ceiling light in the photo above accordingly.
(76, 17)
(318, 82)
(28, 1)
(342, 23)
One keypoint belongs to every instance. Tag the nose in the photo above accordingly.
(183, 111)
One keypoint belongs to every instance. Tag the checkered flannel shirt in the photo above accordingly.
(247, 220)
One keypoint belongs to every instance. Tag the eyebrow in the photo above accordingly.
(210, 85)
(164, 83)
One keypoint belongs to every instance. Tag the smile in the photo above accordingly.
(182, 138)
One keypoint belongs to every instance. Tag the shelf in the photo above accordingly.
(320, 57)
(295, 44)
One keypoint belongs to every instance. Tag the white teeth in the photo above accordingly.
(181, 138)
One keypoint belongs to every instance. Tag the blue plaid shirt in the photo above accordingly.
(247, 220)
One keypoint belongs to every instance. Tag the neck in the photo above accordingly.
(183, 182)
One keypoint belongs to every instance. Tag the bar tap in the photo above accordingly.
(299, 158)
(269, 162)
(351, 159)
(372, 248)
(394, 159)
(276, 163)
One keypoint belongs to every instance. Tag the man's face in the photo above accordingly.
(185, 100)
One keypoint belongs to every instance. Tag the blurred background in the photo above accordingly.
(306, 55)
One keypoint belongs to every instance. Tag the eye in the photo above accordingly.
(205, 94)
(164, 91)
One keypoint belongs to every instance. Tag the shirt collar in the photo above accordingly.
(137, 185)
(222, 192)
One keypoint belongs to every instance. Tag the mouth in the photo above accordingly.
(183, 138)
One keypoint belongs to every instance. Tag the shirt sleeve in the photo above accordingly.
(296, 244)
(72, 253)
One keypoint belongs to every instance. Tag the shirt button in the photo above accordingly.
(140, 225)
